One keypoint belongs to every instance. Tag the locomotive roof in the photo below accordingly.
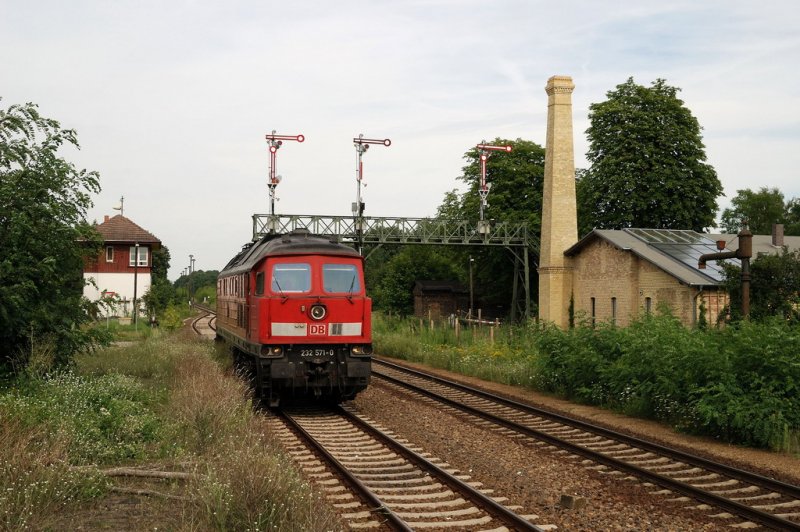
(298, 242)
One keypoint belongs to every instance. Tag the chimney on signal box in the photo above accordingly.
(105, 218)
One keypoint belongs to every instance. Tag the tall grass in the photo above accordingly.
(504, 356)
(244, 481)
(164, 399)
(36, 481)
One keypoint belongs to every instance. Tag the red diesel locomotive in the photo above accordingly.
(295, 313)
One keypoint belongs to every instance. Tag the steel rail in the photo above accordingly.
(208, 312)
(492, 507)
(734, 507)
(351, 480)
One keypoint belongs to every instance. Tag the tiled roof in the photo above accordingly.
(121, 229)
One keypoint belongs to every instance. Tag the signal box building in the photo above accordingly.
(115, 269)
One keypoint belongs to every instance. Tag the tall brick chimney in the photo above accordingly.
(777, 235)
(559, 211)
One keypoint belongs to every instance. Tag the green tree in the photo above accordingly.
(647, 162)
(793, 217)
(394, 289)
(162, 292)
(774, 287)
(190, 284)
(44, 238)
(760, 209)
(517, 180)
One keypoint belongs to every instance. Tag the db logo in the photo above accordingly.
(317, 329)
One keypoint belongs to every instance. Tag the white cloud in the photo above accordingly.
(172, 100)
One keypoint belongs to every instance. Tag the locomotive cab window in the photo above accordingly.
(291, 278)
(340, 279)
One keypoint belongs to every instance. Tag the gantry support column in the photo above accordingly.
(559, 211)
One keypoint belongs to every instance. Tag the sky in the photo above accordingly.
(172, 100)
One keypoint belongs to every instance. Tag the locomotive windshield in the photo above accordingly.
(291, 278)
(340, 279)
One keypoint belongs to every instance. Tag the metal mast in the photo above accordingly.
(276, 141)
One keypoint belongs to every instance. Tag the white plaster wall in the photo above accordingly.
(119, 283)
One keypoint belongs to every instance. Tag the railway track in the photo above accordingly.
(400, 487)
(756, 499)
(207, 315)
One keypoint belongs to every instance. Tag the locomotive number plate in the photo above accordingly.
(316, 352)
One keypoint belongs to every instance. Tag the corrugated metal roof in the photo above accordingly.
(673, 251)
(121, 229)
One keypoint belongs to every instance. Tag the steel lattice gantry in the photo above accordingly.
(514, 237)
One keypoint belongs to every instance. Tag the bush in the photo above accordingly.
(739, 384)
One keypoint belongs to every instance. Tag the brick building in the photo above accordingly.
(115, 268)
(618, 275)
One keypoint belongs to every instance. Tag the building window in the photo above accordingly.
(648, 305)
(613, 310)
(109, 254)
(142, 256)
(594, 311)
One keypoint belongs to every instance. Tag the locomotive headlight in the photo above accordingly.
(317, 312)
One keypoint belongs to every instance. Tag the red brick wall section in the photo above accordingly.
(120, 263)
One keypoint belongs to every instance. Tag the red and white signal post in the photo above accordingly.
(484, 150)
(362, 145)
(276, 141)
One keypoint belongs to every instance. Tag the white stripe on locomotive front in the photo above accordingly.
(301, 329)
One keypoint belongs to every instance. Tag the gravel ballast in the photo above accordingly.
(547, 482)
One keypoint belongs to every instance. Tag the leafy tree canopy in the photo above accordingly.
(761, 209)
(647, 163)
(394, 290)
(197, 279)
(516, 196)
(44, 238)
(161, 293)
(517, 180)
(774, 287)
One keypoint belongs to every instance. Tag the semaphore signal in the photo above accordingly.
(484, 150)
(275, 142)
(362, 145)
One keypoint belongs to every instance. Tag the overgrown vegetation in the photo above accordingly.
(738, 384)
(44, 237)
(774, 287)
(163, 401)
